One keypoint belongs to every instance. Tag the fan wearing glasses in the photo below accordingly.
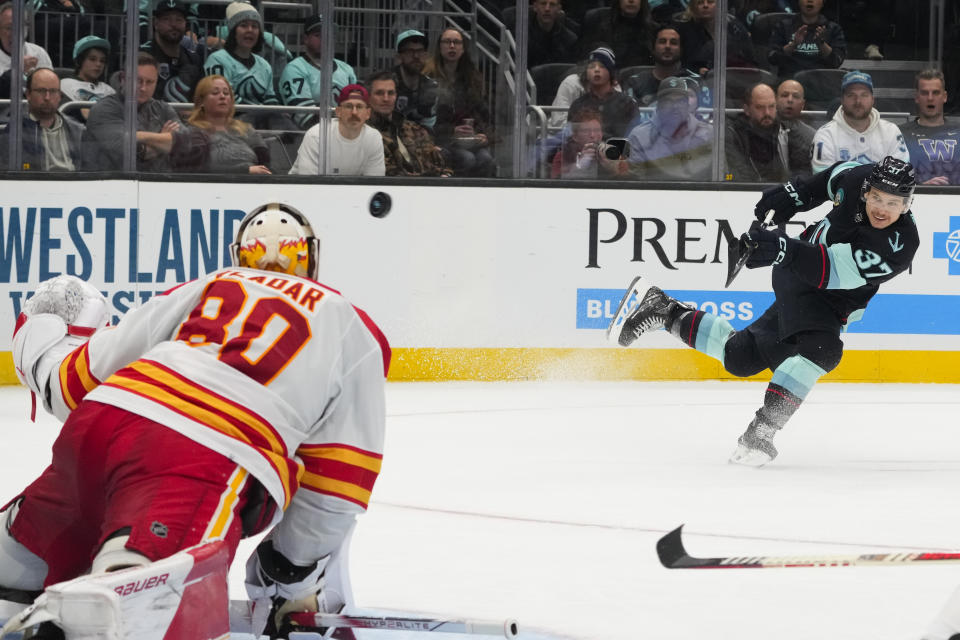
(416, 92)
(49, 141)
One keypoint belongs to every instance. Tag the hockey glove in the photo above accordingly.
(768, 246)
(278, 587)
(785, 200)
(60, 316)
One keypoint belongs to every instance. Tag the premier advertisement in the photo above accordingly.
(479, 283)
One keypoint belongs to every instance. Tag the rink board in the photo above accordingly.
(479, 283)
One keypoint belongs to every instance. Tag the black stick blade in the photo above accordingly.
(737, 256)
(670, 549)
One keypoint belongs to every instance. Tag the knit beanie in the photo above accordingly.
(605, 56)
(237, 12)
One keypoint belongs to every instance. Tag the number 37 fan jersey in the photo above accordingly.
(277, 372)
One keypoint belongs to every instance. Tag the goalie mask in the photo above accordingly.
(277, 237)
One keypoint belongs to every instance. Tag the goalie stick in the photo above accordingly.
(673, 555)
(241, 614)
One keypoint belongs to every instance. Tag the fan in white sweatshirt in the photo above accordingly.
(857, 133)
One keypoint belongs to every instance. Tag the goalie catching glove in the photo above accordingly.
(278, 587)
(60, 316)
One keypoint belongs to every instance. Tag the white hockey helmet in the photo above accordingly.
(277, 237)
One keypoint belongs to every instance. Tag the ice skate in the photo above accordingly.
(755, 447)
(643, 308)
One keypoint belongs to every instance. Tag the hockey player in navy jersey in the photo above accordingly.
(822, 279)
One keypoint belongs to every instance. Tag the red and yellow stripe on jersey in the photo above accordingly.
(76, 381)
(152, 380)
(340, 470)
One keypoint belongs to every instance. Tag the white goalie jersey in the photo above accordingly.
(275, 371)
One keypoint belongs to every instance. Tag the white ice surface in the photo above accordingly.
(543, 502)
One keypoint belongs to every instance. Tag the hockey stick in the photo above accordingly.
(241, 615)
(673, 555)
(738, 252)
(308, 621)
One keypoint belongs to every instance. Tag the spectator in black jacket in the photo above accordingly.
(618, 109)
(696, 26)
(549, 38)
(668, 58)
(758, 149)
(807, 40)
(180, 67)
(626, 30)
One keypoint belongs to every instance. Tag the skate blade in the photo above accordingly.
(630, 300)
(747, 457)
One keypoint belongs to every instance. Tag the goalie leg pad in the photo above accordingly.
(183, 596)
(20, 568)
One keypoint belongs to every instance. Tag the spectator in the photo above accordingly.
(214, 141)
(239, 63)
(665, 11)
(353, 148)
(416, 93)
(806, 40)
(463, 127)
(933, 140)
(625, 30)
(746, 11)
(549, 39)
(790, 104)
(571, 88)
(618, 109)
(180, 66)
(668, 63)
(59, 25)
(49, 141)
(300, 82)
(408, 148)
(856, 133)
(582, 155)
(106, 128)
(757, 149)
(274, 51)
(696, 25)
(34, 56)
(673, 144)
(90, 56)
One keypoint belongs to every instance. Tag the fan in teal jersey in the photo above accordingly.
(250, 75)
(301, 80)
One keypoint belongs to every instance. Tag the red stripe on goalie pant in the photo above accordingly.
(106, 475)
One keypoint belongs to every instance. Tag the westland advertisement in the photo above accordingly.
(460, 272)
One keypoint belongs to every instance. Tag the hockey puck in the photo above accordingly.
(380, 204)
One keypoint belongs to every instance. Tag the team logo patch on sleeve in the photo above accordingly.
(837, 199)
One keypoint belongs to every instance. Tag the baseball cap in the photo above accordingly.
(408, 34)
(355, 92)
(313, 23)
(89, 42)
(856, 77)
(163, 6)
(676, 86)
